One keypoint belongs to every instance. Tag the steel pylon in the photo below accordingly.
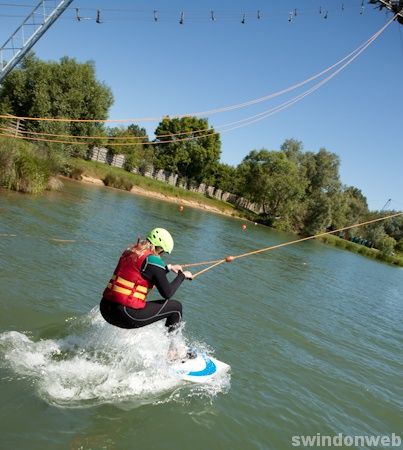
(44, 14)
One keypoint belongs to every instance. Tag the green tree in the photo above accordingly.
(357, 205)
(348, 206)
(270, 179)
(292, 149)
(133, 137)
(338, 209)
(394, 227)
(318, 215)
(386, 228)
(325, 205)
(226, 178)
(385, 244)
(322, 171)
(138, 152)
(374, 232)
(193, 149)
(65, 89)
(399, 246)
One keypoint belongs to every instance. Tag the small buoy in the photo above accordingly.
(181, 208)
(229, 258)
(255, 223)
(244, 227)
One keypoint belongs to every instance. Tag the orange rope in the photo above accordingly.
(208, 268)
(82, 136)
(204, 263)
(284, 244)
(104, 137)
(126, 144)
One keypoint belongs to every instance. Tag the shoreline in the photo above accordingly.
(157, 195)
(342, 244)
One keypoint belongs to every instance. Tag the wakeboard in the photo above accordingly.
(200, 369)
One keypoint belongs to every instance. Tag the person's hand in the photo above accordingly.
(188, 275)
(175, 268)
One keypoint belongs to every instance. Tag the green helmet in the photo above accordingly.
(161, 238)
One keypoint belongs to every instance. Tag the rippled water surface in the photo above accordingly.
(313, 334)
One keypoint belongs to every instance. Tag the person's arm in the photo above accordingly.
(155, 271)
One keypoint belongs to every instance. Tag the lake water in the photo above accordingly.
(313, 334)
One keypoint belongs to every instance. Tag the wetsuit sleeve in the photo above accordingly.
(154, 270)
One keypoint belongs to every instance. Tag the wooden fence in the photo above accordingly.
(102, 155)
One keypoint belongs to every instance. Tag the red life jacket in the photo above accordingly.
(127, 286)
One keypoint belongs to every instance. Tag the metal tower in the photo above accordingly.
(28, 33)
(396, 6)
(386, 205)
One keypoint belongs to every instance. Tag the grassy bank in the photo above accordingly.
(27, 168)
(121, 179)
(396, 260)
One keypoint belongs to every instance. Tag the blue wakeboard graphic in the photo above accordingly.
(208, 370)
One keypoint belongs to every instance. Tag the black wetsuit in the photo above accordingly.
(169, 309)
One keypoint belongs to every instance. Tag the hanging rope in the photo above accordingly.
(352, 55)
(284, 244)
(208, 132)
(193, 134)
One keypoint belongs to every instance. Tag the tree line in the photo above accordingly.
(298, 190)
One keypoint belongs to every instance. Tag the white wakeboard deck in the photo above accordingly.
(201, 369)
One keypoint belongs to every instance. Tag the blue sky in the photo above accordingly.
(160, 68)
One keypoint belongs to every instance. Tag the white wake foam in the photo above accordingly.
(97, 363)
